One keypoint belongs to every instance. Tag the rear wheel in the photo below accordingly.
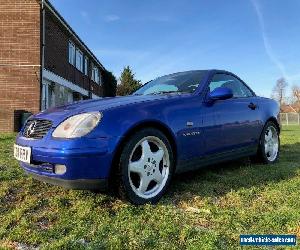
(268, 151)
(145, 167)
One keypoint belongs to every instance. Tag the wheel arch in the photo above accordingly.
(141, 125)
(273, 119)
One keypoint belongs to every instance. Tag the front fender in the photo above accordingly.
(269, 110)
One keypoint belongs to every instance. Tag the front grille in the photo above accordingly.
(36, 129)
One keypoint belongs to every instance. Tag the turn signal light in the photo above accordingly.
(60, 169)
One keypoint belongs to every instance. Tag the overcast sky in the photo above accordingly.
(259, 40)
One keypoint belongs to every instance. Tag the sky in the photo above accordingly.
(259, 40)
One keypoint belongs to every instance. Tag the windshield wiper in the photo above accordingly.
(165, 92)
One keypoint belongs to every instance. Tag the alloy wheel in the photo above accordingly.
(148, 167)
(271, 143)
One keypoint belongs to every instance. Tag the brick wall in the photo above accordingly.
(19, 60)
(56, 54)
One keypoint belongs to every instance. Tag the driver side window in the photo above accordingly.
(239, 89)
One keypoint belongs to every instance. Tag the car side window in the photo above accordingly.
(239, 89)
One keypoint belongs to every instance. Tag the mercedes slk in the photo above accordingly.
(135, 144)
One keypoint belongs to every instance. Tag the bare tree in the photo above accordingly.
(279, 91)
(296, 96)
(296, 93)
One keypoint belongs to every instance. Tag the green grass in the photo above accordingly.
(207, 209)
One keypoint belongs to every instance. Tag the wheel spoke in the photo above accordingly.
(144, 183)
(267, 149)
(158, 177)
(146, 150)
(275, 140)
(269, 135)
(158, 155)
(136, 166)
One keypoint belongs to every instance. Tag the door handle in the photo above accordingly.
(252, 106)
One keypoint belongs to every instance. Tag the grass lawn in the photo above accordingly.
(207, 209)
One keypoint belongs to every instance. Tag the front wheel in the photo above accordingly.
(268, 151)
(145, 167)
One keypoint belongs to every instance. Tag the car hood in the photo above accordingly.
(58, 114)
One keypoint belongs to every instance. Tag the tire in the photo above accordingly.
(146, 167)
(269, 149)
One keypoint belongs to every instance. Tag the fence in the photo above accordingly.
(290, 118)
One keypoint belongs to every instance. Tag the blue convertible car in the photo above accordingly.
(135, 144)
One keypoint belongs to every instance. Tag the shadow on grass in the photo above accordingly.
(217, 180)
(212, 181)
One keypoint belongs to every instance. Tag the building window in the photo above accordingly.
(54, 95)
(71, 53)
(100, 77)
(86, 65)
(95, 74)
(79, 60)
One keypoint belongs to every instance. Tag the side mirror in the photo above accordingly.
(220, 93)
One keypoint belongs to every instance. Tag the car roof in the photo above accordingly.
(203, 70)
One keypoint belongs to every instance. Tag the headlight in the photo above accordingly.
(77, 125)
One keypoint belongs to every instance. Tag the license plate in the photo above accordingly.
(22, 153)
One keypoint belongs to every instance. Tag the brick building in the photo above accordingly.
(43, 62)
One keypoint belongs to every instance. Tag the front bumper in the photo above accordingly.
(87, 160)
(92, 184)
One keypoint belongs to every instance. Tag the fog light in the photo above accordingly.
(60, 169)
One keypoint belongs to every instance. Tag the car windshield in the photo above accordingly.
(183, 82)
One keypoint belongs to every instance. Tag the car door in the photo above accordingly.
(237, 119)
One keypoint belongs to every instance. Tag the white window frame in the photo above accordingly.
(100, 77)
(86, 65)
(72, 53)
(95, 74)
(79, 60)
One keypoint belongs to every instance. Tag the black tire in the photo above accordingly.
(124, 188)
(261, 156)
